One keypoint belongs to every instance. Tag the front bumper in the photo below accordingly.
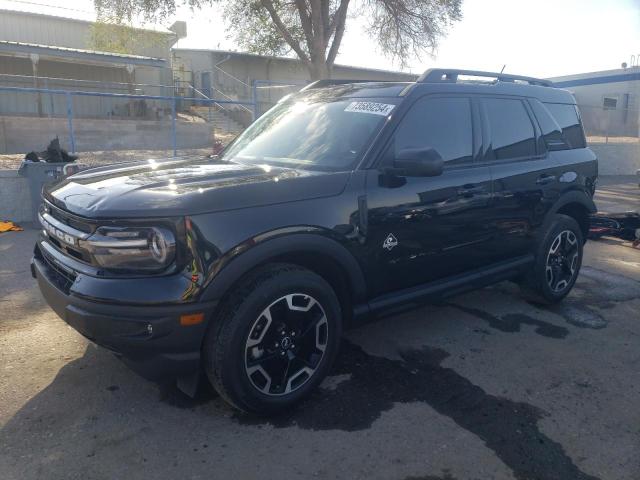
(148, 338)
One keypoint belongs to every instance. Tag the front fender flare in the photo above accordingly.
(230, 269)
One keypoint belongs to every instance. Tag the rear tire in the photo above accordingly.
(557, 262)
(274, 339)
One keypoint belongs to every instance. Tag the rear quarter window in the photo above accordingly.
(568, 118)
(551, 131)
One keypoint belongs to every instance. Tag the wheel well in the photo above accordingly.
(323, 265)
(330, 271)
(580, 214)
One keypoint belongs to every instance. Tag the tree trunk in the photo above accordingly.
(319, 70)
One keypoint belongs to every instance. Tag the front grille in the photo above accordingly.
(70, 251)
(57, 223)
(59, 276)
(69, 219)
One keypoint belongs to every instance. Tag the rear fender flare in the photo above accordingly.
(574, 196)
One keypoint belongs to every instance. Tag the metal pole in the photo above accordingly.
(174, 137)
(255, 99)
(72, 138)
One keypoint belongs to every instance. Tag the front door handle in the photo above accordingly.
(470, 190)
(545, 179)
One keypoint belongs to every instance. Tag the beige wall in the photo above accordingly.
(60, 32)
(24, 134)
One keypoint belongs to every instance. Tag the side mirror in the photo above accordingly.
(419, 162)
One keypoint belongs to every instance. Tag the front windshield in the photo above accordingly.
(312, 132)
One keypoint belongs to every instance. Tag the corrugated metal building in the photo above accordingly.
(231, 75)
(48, 51)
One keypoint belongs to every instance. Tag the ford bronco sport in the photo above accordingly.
(346, 200)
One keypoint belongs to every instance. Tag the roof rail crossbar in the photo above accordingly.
(437, 75)
(328, 82)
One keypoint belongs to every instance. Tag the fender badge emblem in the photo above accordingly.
(390, 242)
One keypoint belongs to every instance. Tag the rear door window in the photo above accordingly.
(512, 133)
(567, 117)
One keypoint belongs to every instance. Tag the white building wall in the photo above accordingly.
(620, 84)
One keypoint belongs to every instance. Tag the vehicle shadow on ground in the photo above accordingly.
(510, 429)
(360, 389)
(99, 400)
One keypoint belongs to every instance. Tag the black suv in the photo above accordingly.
(346, 200)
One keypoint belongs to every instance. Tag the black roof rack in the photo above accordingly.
(437, 75)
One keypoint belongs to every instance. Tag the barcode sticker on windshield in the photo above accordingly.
(383, 109)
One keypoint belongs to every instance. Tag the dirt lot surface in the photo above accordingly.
(98, 158)
(485, 386)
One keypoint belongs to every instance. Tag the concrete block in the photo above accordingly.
(15, 197)
(617, 158)
(24, 134)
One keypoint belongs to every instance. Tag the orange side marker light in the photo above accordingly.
(191, 319)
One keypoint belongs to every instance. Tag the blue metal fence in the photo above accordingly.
(174, 102)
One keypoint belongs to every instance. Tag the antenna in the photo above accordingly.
(503, 67)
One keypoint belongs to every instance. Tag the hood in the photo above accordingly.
(161, 188)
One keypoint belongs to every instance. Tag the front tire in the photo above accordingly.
(557, 263)
(274, 339)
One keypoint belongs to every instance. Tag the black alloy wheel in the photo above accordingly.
(562, 261)
(273, 339)
(286, 344)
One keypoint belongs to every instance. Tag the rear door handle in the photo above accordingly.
(545, 179)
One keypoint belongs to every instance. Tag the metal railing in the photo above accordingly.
(128, 103)
(88, 85)
(132, 123)
(261, 86)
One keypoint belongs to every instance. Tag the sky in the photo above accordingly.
(542, 38)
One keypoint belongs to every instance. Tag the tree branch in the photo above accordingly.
(339, 22)
(305, 21)
(319, 43)
(268, 4)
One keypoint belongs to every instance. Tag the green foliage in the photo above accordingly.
(114, 37)
(410, 27)
(121, 11)
(313, 29)
(251, 27)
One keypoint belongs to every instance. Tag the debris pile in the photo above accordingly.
(53, 154)
(7, 226)
(625, 226)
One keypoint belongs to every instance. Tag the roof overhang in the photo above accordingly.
(598, 78)
(74, 54)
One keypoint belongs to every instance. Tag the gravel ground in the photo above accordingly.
(97, 158)
(94, 159)
(486, 386)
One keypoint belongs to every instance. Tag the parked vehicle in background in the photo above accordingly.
(345, 201)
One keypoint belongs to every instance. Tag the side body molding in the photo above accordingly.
(240, 260)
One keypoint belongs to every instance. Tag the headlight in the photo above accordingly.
(147, 249)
